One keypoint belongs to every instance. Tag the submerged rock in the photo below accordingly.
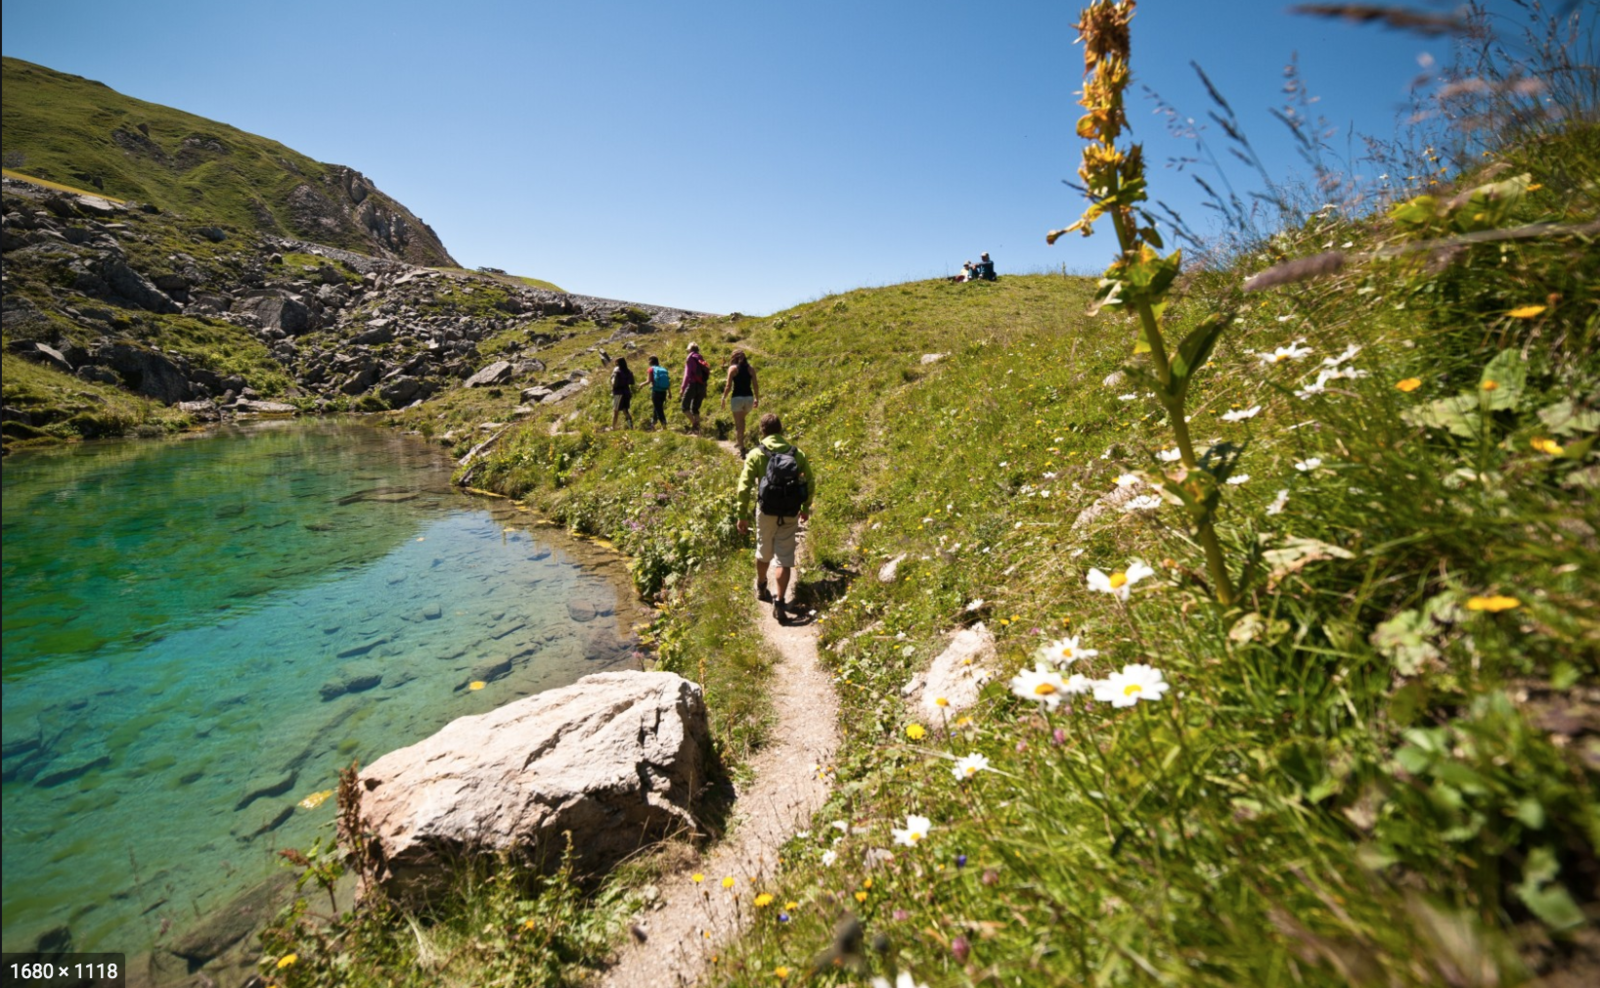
(616, 759)
(352, 678)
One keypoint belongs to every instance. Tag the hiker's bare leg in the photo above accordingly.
(783, 582)
(761, 572)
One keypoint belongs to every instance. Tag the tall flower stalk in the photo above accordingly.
(1140, 277)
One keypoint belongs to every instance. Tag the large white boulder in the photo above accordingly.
(616, 759)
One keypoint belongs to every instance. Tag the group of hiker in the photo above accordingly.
(776, 481)
(982, 271)
(740, 388)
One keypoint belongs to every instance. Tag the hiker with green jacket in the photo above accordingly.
(779, 480)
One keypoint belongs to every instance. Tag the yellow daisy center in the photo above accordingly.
(1490, 385)
(1044, 689)
(1280, 358)
(1118, 579)
(1131, 689)
(1066, 651)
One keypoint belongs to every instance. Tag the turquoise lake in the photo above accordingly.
(199, 633)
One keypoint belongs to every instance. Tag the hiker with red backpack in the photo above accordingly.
(778, 476)
(696, 372)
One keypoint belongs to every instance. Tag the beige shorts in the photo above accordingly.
(775, 538)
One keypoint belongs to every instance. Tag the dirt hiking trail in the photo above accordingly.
(690, 922)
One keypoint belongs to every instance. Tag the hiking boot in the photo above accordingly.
(763, 594)
(777, 609)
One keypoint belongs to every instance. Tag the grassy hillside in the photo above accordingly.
(74, 131)
(1379, 766)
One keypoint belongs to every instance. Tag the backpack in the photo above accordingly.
(658, 378)
(697, 371)
(782, 490)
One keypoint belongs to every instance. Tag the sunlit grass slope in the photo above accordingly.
(1378, 768)
(80, 133)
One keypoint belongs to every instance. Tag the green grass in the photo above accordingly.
(75, 132)
(1376, 768)
(1348, 782)
(66, 409)
(511, 279)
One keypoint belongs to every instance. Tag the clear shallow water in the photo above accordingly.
(199, 634)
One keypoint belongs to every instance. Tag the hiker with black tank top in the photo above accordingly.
(746, 394)
(621, 392)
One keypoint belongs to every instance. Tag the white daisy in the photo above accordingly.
(1169, 455)
(1239, 415)
(829, 857)
(1291, 352)
(1119, 583)
(969, 765)
(916, 829)
(1308, 464)
(1133, 683)
(1144, 502)
(1276, 507)
(1040, 683)
(1064, 651)
(1239, 478)
(1128, 480)
(1128, 397)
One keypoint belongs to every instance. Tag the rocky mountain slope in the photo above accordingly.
(67, 129)
(103, 299)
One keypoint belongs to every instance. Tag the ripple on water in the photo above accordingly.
(200, 634)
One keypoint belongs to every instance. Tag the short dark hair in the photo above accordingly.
(654, 362)
(771, 425)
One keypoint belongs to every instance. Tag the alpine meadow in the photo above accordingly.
(1264, 565)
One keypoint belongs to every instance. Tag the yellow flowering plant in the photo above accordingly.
(1140, 277)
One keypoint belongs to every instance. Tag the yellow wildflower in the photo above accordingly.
(1526, 311)
(727, 883)
(1491, 385)
(697, 877)
(764, 900)
(286, 960)
(781, 971)
(861, 897)
(916, 732)
(476, 684)
(1549, 446)
(1493, 604)
(1410, 384)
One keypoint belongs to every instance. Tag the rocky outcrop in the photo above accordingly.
(616, 760)
(956, 676)
(92, 285)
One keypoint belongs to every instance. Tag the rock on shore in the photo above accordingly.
(616, 759)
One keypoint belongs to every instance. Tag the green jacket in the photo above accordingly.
(755, 467)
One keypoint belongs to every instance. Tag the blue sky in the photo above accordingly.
(717, 156)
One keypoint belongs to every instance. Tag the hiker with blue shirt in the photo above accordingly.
(778, 478)
(984, 269)
(660, 383)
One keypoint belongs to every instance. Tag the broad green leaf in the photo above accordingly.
(1415, 213)
(1457, 414)
(1565, 418)
(1403, 639)
(1196, 348)
(1487, 206)
(1545, 897)
(1413, 759)
(1531, 812)
(1503, 381)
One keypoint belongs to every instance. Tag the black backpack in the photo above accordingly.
(782, 489)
